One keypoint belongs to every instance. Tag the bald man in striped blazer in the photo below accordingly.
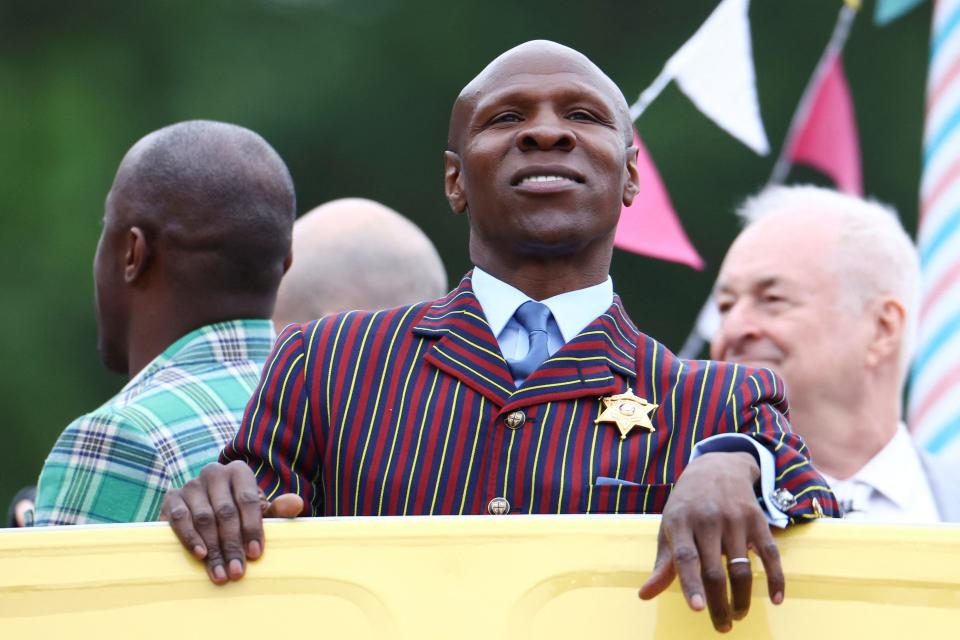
(527, 389)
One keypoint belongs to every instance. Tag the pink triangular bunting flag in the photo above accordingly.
(650, 226)
(827, 139)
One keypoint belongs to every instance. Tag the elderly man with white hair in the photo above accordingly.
(823, 288)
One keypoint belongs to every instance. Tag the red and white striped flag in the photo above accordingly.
(934, 407)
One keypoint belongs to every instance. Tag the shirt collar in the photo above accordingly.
(229, 341)
(896, 470)
(572, 310)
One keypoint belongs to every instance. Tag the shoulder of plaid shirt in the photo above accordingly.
(116, 463)
(402, 412)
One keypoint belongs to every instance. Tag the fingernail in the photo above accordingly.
(199, 552)
(724, 628)
(778, 597)
(219, 573)
(236, 568)
(253, 549)
(696, 601)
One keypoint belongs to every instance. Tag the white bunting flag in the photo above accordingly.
(715, 70)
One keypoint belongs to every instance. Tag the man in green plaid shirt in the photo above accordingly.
(196, 237)
(116, 463)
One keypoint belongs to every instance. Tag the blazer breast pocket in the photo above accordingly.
(623, 497)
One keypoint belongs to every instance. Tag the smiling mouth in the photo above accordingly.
(545, 180)
(546, 183)
(546, 176)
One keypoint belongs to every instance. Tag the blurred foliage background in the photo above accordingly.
(355, 96)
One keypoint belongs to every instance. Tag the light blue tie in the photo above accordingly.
(533, 317)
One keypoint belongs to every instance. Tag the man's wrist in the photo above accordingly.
(749, 462)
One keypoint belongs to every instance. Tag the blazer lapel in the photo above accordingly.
(466, 348)
(594, 363)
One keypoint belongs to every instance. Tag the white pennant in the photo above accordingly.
(714, 69)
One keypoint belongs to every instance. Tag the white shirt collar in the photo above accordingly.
(572, 310)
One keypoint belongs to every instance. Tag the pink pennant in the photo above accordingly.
(827, 139)
(650, 226)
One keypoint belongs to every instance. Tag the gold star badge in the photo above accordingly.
(627, 411)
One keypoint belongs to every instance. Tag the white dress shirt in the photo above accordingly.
(571, 312)
(892, 487)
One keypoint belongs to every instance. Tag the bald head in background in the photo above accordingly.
(355, 253)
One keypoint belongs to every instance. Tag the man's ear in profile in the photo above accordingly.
(136, 255)
(453, 182)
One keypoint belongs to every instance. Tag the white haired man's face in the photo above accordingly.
(782, 306)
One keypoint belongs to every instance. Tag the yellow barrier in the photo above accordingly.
(472, 577)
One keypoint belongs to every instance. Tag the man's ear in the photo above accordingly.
(632, 187)
(889, 324)
(453, 182)
(136, 256)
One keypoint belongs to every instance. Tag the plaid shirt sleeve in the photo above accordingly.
(103, 469)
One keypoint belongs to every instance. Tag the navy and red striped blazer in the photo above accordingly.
(404, 412)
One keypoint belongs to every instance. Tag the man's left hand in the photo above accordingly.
(713, 512)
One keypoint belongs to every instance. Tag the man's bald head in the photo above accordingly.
(540, 56)
(356, 254)
(217, 198)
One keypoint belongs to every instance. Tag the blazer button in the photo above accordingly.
(515, 419)
(498, 507)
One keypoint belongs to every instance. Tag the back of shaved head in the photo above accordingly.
(216, 201)
(544, 54)
(356, 254)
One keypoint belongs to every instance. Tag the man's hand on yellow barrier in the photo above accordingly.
(713, 512)
(218, 517)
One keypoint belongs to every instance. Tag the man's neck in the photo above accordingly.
(843, 439)
(143, 352)
(165, 320)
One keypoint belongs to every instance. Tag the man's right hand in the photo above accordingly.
(218, 517)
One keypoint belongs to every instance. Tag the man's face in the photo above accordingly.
(544, 159)
(109, 292)
(782, 306)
